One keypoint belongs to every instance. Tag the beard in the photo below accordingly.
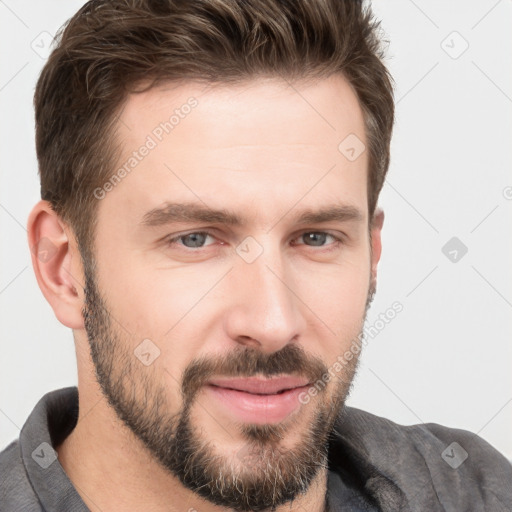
(263, 474)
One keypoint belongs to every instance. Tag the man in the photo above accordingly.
(209, 230)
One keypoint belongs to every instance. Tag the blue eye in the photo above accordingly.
(317, 238)
(196, 239)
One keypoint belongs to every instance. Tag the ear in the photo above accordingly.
(376, 243)
(57, 264)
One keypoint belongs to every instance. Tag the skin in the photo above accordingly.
(266, 151)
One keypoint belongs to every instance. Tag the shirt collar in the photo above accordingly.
(52, 419)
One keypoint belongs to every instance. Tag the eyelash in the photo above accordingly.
(170, 241)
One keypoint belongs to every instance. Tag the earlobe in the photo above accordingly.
(57, 264)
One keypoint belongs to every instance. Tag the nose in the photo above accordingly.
(264, 310)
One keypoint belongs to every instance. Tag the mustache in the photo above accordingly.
(249, 362)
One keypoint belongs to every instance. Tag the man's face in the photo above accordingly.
(206, 346)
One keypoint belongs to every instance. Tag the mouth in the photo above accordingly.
(258, 400)
(260, 386)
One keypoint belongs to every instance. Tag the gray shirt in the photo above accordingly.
(374, 465)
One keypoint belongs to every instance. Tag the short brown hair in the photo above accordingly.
(109, 47)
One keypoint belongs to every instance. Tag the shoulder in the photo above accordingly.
(451, 467)
(426, 438)
(16, 493)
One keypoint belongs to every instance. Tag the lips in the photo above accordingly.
(257, 400)
(260, 386)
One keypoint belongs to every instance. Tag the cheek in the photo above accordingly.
(146, 300)
(167, 307)
(337, 291)
(337, 295)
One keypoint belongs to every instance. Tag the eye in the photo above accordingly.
(197, 239)
(194, 240)
(318, 238)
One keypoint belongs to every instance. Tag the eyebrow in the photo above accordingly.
(193, 212)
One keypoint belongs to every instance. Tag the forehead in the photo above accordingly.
(262, 142)
(247, 113)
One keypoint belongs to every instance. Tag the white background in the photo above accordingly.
(447, 357)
